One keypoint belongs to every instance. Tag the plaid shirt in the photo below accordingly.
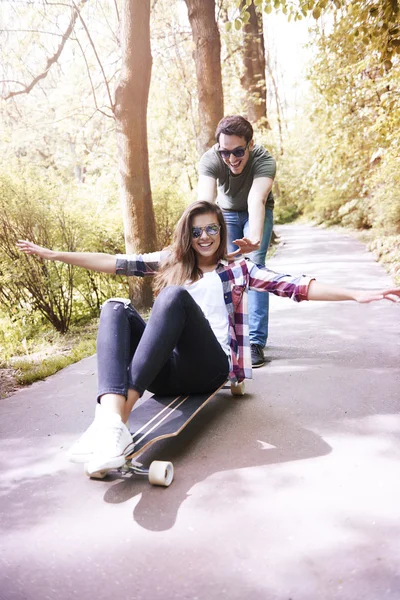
(237, 278)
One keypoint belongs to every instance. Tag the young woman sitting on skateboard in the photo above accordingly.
(197, 334)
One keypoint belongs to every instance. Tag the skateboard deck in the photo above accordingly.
(158, 418)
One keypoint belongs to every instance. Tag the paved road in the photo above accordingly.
(292, 492)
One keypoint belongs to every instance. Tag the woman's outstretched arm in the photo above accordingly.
(94, 261)
(307, 288)
(321, 291)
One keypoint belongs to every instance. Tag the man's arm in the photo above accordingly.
(256, 206)
(207, 188)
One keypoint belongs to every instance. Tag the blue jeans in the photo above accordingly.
(238, 226)
(176, 352)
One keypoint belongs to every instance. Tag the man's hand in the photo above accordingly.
(245, 247)
(31, 248)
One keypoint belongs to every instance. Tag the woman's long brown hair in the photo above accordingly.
(181, 264)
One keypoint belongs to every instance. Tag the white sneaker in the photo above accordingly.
(82, 450)
(113, 443)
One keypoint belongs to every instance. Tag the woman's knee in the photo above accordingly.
(170, 295)
(113, 309)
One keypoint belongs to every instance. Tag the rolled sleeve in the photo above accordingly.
(139, 265)
(280, 284)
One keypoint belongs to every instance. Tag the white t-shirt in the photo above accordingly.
(208, 293)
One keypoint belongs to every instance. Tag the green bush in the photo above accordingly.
(36, 208)
(387, 250)
(324, 207)
(356, 214)
(291, 188)
(384, 182)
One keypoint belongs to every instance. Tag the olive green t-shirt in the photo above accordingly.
(233, 190)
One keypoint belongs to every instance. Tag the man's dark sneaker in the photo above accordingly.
(257, 356)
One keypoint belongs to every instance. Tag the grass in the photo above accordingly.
(47, 353)
(29, 369)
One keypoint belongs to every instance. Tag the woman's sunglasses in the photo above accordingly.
(209, 229)
(239, 152)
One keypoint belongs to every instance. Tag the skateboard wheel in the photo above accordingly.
(238, 389)
(161, 473)
(96, 474)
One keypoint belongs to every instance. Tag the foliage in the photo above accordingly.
(384, 183)
(291, 187)
(39, 211)
(235, 97)
(168, 207)
(354, 119)
(173, 125)
(374, 22)
(18, 331)
(47, 286)
(387, 250)
(60, 127)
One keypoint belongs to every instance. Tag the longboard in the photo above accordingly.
(158, 418)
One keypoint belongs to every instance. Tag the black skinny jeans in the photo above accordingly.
(176, 352)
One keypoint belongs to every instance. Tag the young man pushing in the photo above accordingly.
(238, 175)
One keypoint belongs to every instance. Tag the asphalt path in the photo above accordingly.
(289, 493)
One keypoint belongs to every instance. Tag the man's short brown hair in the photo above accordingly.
(235, 125)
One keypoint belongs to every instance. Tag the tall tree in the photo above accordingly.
(207, 56)
(253, 78)
(131, 98)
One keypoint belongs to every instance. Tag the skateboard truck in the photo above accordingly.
(160, 472)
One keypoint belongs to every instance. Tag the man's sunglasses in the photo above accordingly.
(238, 152)
(209, 229)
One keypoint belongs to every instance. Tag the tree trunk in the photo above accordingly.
(253, 79)
(131, 98)
(207, 56)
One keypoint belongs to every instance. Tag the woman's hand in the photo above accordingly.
(364, 297)
(31, 248)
